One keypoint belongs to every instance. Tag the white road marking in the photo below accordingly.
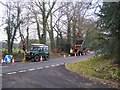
(47, 66)
(52, 65)
(32, 69)
(40, 68)
(11, 73)
(57, 64)
(0, 74)
(22, 71)
(62, 63)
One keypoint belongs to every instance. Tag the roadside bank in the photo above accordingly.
(98, 69)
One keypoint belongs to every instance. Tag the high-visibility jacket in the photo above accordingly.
(71, 51)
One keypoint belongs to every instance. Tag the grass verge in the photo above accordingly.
(100, 67)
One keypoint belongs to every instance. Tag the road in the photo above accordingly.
(47, 74)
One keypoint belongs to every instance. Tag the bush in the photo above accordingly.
(17, 53)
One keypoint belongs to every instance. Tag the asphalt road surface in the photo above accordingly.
(47, 74)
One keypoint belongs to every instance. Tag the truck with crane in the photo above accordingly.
(77, 46)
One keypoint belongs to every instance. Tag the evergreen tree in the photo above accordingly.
(110, 24)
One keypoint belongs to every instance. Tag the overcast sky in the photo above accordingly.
(2, 33)
(2, 11)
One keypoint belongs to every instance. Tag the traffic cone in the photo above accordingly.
(2, 62)
(13, 61)
(64, 56)
(41, 58)
(80, 54)
(75, 54)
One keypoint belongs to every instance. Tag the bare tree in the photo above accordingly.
(13, 22)
(45, 12)
(35, 15)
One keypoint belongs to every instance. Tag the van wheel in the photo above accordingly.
(45, 58)
(48, 56)
(36, 58)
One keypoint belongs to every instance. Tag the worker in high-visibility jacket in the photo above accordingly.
(71, 50)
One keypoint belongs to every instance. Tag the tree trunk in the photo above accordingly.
(74, 29)
(118, 56)
(8, 41)
(27, 38)
(69, 36)
(38, 29)
(61, 42)
(57, 42)
(51, 34)
(9, 47)
(44, 33)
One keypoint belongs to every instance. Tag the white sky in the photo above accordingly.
(2, 8)
(2, 33)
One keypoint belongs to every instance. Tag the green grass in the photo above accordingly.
(100, 67)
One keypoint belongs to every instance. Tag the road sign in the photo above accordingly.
(8, 58)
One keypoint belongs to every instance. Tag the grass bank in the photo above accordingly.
(101, 67)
